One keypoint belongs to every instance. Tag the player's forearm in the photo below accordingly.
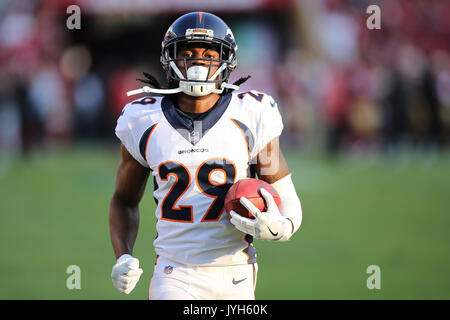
(123, 225)
(290, 203)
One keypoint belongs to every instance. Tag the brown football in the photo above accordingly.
(248, 188)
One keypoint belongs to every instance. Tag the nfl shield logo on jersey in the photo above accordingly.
(194, 137)
(168, 269)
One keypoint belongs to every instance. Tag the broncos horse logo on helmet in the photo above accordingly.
(193, 28)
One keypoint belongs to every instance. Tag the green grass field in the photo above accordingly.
(394, 213)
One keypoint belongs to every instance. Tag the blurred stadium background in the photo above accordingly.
(367, 128)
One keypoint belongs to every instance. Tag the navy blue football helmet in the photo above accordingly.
(191, 29)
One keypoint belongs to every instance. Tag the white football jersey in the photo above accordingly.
(193, 166)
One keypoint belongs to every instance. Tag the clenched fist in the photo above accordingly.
(126, 273)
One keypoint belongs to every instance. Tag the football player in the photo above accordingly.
(196, 138)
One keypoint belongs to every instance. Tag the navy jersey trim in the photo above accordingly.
(155, 187)
(190, 131)
(249, 137)
(144, 140)
(250, 251)
(251, 171)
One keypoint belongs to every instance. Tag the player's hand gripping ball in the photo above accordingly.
(254, 207)
(249, 189)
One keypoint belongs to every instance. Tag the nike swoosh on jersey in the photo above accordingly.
(238, 281)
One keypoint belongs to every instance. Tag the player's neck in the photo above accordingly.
(190, 104)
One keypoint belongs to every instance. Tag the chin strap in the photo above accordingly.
(148, 89)
(229, 86)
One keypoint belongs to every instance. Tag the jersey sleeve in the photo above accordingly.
(126, 131)
(269, 125)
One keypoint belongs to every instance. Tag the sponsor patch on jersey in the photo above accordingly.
(193, 150)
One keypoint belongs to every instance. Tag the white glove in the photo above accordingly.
(126, 273)
(267, 225)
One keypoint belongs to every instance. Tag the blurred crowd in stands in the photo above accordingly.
(377, 89)
(339, 85)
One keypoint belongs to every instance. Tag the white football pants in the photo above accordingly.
(174, 281)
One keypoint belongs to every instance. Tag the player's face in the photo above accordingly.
(198, 52)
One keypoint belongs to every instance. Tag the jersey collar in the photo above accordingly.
(193, 132)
